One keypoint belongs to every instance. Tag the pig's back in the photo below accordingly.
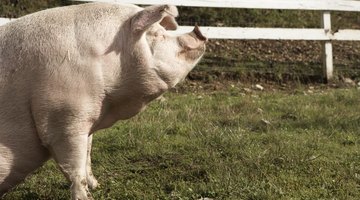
(46, 39)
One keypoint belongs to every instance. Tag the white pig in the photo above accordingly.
(68, 72)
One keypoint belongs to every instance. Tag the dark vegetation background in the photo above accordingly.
(245, 60)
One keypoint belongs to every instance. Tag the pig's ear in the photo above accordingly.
(169, 23)
(165, 14)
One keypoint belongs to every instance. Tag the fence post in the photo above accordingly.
(328, 65)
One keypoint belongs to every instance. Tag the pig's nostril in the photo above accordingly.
(198, 33)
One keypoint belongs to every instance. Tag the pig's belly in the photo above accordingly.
(116, 113)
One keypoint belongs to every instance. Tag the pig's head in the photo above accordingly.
(172, 56)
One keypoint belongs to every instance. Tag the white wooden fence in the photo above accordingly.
(4, 21)
(324, 33)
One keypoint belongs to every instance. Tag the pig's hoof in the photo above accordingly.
(80, 193)
(92, 182)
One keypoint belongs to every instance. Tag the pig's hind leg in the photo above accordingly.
(20, 155)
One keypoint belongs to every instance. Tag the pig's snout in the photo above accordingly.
(193, 40)
(198, 34)
(193, 45)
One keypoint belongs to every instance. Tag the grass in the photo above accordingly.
(227, 144)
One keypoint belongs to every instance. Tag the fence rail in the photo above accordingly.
(334, 5)
(324, 34)
(4, 21)
(274, 33)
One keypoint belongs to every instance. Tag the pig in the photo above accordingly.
(68, 72)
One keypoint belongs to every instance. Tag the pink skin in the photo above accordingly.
(67, 72)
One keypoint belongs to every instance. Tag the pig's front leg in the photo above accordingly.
(69, 150)
(91, 180)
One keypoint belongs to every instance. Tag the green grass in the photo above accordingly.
(225, 144)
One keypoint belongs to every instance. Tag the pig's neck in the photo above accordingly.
(133, 86)
(140, 73)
